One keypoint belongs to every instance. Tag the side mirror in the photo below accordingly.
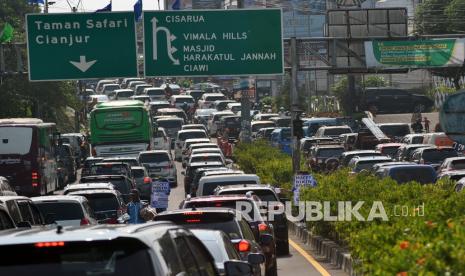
(24, 224)
(266, 239)
(255, 258)
(237, 268)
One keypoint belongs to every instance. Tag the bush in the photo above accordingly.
(429, 241)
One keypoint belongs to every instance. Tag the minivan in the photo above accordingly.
(208, 184)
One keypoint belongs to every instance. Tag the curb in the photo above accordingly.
(325, 249)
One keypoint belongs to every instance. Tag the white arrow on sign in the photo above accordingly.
(169, 38)
(83, 65)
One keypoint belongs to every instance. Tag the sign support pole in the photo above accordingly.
(294, 107)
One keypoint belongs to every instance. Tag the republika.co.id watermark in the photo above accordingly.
(328, 211)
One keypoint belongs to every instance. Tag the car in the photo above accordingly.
(359, 164)
(452, 175)
(131, 161)
(123, 94)
(107, 205)
(139, 89)
(171, 125)
(264, 133)
(155, 93)
(395, 131)
(199, 173)
(132, 84)
(267, 194)
(321, 156)
(307, 143)
(207, 99)
(452, 164)
(65, 210)
(88, 186)
(416, 138)
(379, 166)
(230, 127)
(250, 208)
(182, 136)
(281, 121)
(332, 131)
(88, 163)
(264, 116)
(223, 219)
(5, 188)
(255, 126)
(201, 115)
(154, 106)
(234, 107)
(389, 149)
(75, 140)
(404, 153)
(175, 89)
(101, 83)
(222, 249)
(22, 211)
(215, 119)
(122, 183)
(423, 174)
(159, 163)
(187, 149)
(345, 157)
(173, 112)
(221, 105)
(65, 153)
(111, 168)
(143, 98)
(433, 155)
(143, 181)
(190, 170)
(177, 101)
(394, 100)
(161, 140)
(126, 81)
(281, 139)
(6, 222)
(109, 87)
(208, 184)
(194, 126)
(313, 124)
(157, 248)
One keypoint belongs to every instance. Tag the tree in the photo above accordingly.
(442, 17)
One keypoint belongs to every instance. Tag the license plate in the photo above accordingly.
(156, 170)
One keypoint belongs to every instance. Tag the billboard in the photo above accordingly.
(415, 53)
(303, 18)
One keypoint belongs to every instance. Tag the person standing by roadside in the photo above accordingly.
(426, 121)
(134, 207)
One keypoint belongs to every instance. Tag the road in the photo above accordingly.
(406, 118)
(294, 264)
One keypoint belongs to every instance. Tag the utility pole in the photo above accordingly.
(295, 110)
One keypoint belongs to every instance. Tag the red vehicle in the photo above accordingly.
(27, 155)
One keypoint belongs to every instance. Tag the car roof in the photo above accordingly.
(359, 151)
(238, 177)
(191, 130)
(369, 158)
(154, 151)
(79, 199)
(170, 118)
(247, 187)
(146, 233)
(93, 185)
(196, 140)
(261, 122)
(218, 198)
(389, 145)
(208, 163)
(207, 154)
(8, 198)
(201, 210)
(409, 166)
(96, 191)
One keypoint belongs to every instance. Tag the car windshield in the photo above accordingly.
(154, 158)
(390, 150)
(191, 135)
(156, 92)
(257, 127)
(325, 153)
(395, 130)
(437, 156)
(60, 210)
(110, 169)
(125, 94)
(336, 131)
(111, 257)
(170, 123)
(421, 175)
(253, 213)
(206, 158)
(101, 202)
(459, 164)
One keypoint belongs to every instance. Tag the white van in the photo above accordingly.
(208, 184)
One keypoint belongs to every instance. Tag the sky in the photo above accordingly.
(92, 5)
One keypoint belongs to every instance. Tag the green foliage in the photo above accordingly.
(428, 240)
(267, 101)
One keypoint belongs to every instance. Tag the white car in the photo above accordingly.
(188, 148)
(123, 94)
(214, 119)
(194, 126)
(207, 99)
(177, 101)
(155, 93)
(207, 157)
(208, 184)
(65, 210)
(161, 140)
(87, 186)
(110, 87)
(182, 136)
(234, 107)
(159, 164)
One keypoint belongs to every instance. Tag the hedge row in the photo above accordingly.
(428, 240)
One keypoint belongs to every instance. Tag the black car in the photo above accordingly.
(394, 100)
(88, 163)
(230, 126)
(65, 153)
(122, 183)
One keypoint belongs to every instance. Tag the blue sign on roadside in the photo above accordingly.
(300, 181)
(160, 194)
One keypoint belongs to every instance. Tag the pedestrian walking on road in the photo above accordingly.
(426, 121)
(134, 207)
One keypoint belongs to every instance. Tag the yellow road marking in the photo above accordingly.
(309, 258)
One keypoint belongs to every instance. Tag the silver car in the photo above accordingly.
(159, 164)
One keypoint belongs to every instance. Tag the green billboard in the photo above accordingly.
(213, 42)
(415, 53)
(81, 45)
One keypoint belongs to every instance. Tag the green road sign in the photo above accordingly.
(213, 42)
(81, 46)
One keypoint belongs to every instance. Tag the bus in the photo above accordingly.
(120, 128)
(27, 155)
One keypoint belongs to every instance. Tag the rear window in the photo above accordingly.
(326, 153)
(60, 210)
(264, 195)
(121, 185)
(257, 127)
(437, 156)
(209, 187)
(154, 158)
(191, 135)
(125, 94)
(214, 98)
(15, 140)
(390, 150)
(336, 131)
(138, 173)
(421, 175)
(206, 158)
(102, 202)
(184, 100)
(459, 164)
(155, 92)
(115, 257)
(169, 123)
(233, 204)
(113, 169)
(222, 222)
(395, 130)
